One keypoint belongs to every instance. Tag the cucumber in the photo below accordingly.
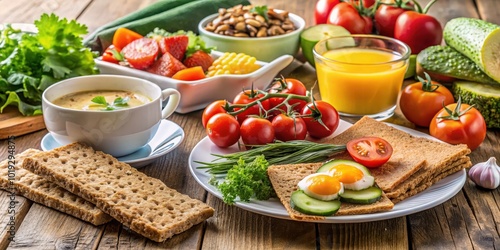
(365, 196)
(478, 40)
(484, 97)
(445, 64)
(308, 205)
(170, 15)
(325, 168)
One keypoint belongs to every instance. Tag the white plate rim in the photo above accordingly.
(440, 191)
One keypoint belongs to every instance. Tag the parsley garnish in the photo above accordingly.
(261, 10)
(118, 102)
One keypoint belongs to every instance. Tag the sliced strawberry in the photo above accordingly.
(167, 65)
(199, 58)
(175, 45)
(141, 53)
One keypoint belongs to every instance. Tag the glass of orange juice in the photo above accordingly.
(361, 75)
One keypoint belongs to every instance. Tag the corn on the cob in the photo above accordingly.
(233, 63)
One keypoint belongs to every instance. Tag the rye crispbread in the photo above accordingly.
(142, 203)
(410, 153)
(40, 190)
(284, 179)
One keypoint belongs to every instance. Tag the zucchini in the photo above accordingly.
(170, 15)
(478, 40)
(308, 205)
(325, 168)
(365, 196)
(445, 64)
(484, 97)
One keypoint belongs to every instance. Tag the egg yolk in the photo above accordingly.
(324, 184)
(346, 173)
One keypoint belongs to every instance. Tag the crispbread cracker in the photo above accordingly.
(410, 153)
(284, 179)
(40, 190)
(142, 203)
(422, 176)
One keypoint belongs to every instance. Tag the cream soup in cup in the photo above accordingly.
(115, 114)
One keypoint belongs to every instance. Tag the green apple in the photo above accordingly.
(412, 67)
(312, 35)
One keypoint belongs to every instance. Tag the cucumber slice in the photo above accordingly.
(328, 165)
(308, 205)
(312, 35)
(365, 196)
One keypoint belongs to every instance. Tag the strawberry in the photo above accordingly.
(199, 58)
(175, 45)
(167, 65)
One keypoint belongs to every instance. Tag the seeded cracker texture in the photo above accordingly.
(40, 190)
(142, 203)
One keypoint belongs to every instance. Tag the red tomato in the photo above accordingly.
(141, 53)
(288, 86)
(112, 55)
(420, 101)
(418, 30)
(249, 96)
(256, 131)
(345, 15)
(288, 128)
(385, 19)
(370, 152)
(461, 123)
(322, 10)
(124, 36)
(212, 109)
(223, 130)
(322, 119)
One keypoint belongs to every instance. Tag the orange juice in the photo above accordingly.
(360, 81)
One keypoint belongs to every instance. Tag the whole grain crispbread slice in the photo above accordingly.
(142, 203)
(410, 153)
(38, 189)
(284, 179)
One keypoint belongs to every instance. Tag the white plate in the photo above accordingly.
(167, 138)
(198, 94)
(433, 196)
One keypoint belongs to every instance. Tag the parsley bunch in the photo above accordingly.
(31, 62)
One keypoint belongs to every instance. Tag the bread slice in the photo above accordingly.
(410, 153)
(285, 178)
(40, 190)
(142, 203)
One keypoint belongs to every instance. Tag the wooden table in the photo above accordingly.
(470, 220)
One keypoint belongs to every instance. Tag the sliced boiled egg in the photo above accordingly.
(321, 186)
(351, 176)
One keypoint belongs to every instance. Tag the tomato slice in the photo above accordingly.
(124, 36)
(371, 152)
(141, 53)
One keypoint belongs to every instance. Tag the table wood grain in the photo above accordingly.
(469, 220)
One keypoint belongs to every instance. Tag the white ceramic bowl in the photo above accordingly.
(263, 48)
(198, 94)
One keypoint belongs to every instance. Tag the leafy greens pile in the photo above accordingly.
(31, 62)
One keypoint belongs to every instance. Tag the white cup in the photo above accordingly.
(117, 132)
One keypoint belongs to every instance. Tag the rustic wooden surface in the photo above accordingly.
(470, 220)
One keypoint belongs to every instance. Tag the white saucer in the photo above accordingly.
(166, 139)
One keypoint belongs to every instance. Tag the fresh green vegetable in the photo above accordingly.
(445, 64)
(246, 180)
(170, 15)
(308, 205)
(365, 196)
(31, 62)
(297, 151)
(478, 40)
(117, 103)
(484, 97)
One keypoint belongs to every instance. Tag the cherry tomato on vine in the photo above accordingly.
(141, 53)
(223, 130)
(370, 152)
(459, 123)
(322, 10)
(213, 108)
(288, 128)
(420, 101)
(256, 131)
(386, 15)
(288, 86)
(322, 119)
(346, 15)
(248, 96)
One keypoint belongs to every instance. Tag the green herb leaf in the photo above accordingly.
(121, 101)
(100, 100)
(261, 10)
